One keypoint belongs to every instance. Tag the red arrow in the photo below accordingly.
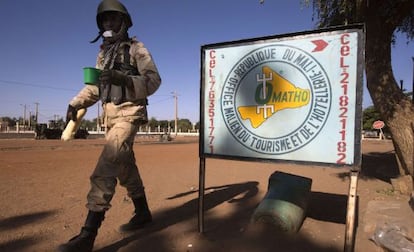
(320, 45)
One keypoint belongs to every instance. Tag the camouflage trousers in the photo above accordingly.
(116, 163)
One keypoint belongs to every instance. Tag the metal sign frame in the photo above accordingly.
(328, 61)
(319, 73)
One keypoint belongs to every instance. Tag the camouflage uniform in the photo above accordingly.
(122, 120)
(129, 76)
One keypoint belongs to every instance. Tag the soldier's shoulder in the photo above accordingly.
(134, 39)
(136, 42)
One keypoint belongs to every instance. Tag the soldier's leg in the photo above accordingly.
(116, 161)
(103, 182)
(130, 178)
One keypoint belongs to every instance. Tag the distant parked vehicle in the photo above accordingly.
(81, 134)
(43, 132)
(371, 133)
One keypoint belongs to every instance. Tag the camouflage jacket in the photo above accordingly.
(144, 85)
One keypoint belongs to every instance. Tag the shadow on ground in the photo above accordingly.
(19, 244)
(379, 165)
(227, 232)
(334, 209)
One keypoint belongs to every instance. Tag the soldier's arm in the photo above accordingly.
(149, 79)
(88, 96)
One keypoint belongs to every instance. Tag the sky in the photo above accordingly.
(45, 45)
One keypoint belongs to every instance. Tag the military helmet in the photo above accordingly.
(112, 5)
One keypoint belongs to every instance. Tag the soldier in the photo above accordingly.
(128, 77)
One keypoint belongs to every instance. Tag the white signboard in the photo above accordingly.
(294, 97)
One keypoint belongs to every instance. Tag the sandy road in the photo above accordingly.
(43, 186)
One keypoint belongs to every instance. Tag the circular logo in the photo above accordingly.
(276, 99)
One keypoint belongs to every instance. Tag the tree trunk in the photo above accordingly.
(396, 109)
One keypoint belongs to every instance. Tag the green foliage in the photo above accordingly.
(153, 123)
(184, 125)
(164, 125)
(89, 125)
(342, 12)
(333, 12)
(10, 121)
(369, 116)
(407, 26)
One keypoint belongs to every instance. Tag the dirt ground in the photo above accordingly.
(43, 185)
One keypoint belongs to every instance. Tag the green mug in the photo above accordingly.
(91, 75)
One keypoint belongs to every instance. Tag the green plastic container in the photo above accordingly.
(91, 75)
(285, 202)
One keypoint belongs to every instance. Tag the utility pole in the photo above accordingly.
(24, 116)
(37, 112)
(176, 112)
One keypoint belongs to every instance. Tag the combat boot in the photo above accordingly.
(84, 241)
(141, 218)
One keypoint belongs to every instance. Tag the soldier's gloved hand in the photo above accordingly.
(115, 77)
(71, 114)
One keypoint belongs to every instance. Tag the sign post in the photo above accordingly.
(281, 98)
(379, 125)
